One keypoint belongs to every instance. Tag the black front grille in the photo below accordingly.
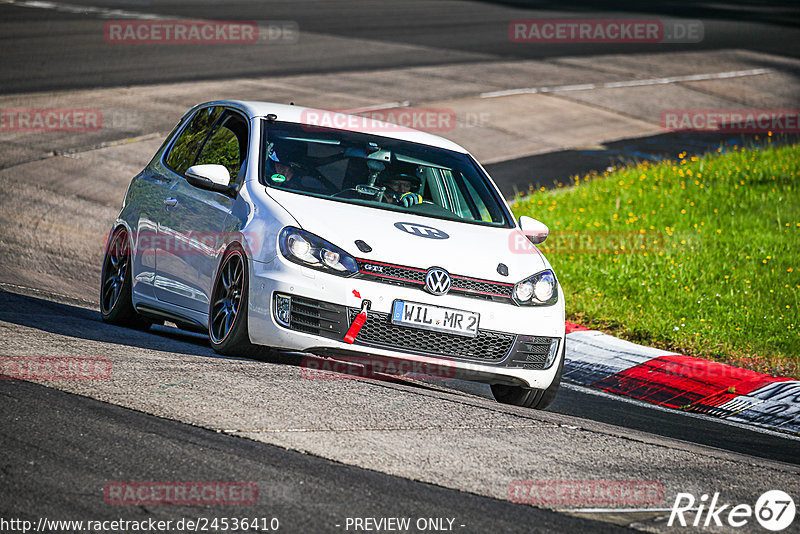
(318, 318)
(332, 321)
(389, 272)
(413, 277)
(378, 331)
(482, 287)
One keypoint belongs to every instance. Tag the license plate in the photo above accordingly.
(436, 318)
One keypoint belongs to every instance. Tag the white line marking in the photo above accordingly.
(613, 510)
(4, 285)
(510, 92)
(628, 83)
(578, 87)
(102, 12)
(377, 107)
(388, 428)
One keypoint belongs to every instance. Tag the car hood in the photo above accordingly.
(468, 250)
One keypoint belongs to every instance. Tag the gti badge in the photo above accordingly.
(373, 268)
(437, 281)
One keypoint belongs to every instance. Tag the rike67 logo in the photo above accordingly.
(774, 510)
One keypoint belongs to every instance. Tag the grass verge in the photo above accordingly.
(699, 256)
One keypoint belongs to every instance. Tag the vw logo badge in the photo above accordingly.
(437, 281)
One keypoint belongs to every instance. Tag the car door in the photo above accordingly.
(145, 200)
(181, 155)
(194, 228)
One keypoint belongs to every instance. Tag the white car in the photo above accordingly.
(263, 228)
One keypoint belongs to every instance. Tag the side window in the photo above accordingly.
(457, 203)
(185, 148)
(479, 203)
(227, 144)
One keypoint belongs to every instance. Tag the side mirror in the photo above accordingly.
(210, 177)
(535, 231)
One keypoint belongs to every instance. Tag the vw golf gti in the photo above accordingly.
(263, 225)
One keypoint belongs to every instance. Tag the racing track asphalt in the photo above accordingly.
(61, 448)
(105, 441)
(44, 312)
(58, 48)
(55, 468)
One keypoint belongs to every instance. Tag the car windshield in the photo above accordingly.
(379, 172)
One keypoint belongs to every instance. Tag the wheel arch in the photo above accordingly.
(234, 244)
(119, 224)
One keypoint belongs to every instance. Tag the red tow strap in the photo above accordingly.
(358, 322)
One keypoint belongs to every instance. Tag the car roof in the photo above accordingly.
(355, 123)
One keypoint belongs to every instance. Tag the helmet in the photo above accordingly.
(415, 181)
(403, 198)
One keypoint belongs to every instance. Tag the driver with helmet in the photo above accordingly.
(287, 162)
(402, 190)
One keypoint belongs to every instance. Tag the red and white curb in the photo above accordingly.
(601, 361)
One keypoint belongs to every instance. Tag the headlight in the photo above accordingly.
(523, 291)
(307, 249)
(540, 289)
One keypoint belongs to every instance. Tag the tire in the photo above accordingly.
(116, 304)
(227, 311)
(538, 399)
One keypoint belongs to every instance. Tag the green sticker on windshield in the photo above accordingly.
(278, 178)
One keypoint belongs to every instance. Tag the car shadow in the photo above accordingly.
(77, 321)
(84, 323)
(547, 170)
